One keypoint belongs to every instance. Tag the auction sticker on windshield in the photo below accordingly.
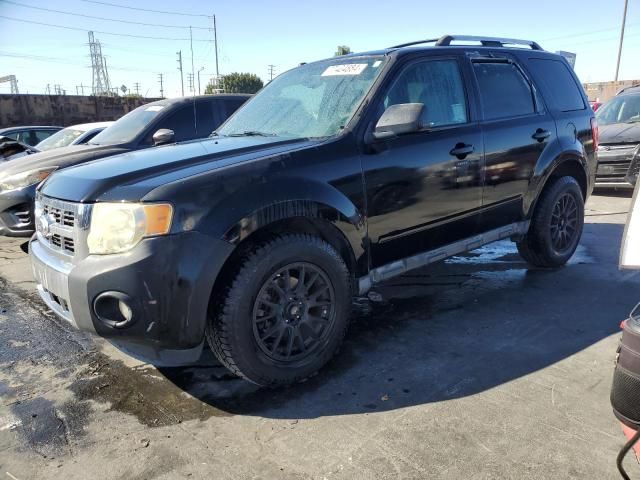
(346, 69)
(154, 108)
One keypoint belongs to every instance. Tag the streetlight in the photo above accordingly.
(199, 79)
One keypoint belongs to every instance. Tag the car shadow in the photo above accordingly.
(460, 327)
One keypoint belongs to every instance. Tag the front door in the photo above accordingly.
(424, 189)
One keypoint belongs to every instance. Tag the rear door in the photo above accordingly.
(517, 128)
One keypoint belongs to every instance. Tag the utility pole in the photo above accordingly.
(180, 68)
(624, 20)
(48, 89)
(137, 87)
(193, 68)
(161, 89)
(215, 44)
(199, 93)
(272, 69)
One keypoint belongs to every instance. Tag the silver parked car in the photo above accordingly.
(73, 135)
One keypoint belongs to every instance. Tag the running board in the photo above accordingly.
(399, 267)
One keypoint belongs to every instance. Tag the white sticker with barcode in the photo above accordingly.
(346, 69)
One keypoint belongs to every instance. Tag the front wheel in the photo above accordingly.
(285, 313)
(556, 226)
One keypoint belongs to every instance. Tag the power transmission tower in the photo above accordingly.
(272, 69)
(80, 89)
(100, 84)
(624, 20)
(137, 87)
(161, 89)
(180, 68)
(13, 83)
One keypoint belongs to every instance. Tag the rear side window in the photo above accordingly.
(208, 117)
(557, 83)
(42, 134)
(504, 91)
(231, 105)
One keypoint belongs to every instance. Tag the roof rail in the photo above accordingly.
(446, 40)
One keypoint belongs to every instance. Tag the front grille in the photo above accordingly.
(614, 162)
(59, 301)
(59, 223)
(62, 217)
(23, 217)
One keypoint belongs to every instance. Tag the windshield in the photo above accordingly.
(315, 100)
(59, 139)
(622, 109)
(128, 127)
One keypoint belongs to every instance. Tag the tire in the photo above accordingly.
(271, 329)
(559, 209)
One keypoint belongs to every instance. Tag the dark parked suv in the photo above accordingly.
(619, 146)
(157, 123)
(338, 175)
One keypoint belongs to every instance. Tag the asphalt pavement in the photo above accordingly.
(476, 368)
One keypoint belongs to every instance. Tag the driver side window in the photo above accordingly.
(438, 85)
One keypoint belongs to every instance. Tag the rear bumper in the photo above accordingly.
(167, 282)
(16, 212)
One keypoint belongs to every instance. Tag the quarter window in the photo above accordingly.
(558, 84)
(438, 85)
(504, 91)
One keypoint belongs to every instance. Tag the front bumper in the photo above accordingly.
(167, 279)
(16, 212)
(618, 166)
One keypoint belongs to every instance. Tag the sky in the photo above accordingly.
(254, 34)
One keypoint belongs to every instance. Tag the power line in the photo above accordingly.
(40, 58)
(586, 33)
(100, 18)
(102, 33)
(147, 9)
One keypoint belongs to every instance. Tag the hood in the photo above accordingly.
(616, 133)
(58, 157)
(152, 167)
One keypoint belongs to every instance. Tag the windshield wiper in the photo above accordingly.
(252, 133)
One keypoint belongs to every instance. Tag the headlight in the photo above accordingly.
(24, 179)
(118, 227)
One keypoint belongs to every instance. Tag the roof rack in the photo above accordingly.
(446, 40)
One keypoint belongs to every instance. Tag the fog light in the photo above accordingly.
(114, 309)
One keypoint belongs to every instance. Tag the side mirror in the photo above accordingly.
(398, 120)
(163, 136)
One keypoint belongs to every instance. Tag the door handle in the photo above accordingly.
(461, 150)
(541, 135)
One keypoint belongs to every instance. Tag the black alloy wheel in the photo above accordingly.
(564, 223)
(294, 312)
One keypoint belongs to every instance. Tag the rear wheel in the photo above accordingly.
(285, 312)
(556, 225)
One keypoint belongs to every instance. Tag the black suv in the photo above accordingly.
(337, 175)
(619, 146)
(157, 123)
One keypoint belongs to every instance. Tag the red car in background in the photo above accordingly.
(595, 104)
